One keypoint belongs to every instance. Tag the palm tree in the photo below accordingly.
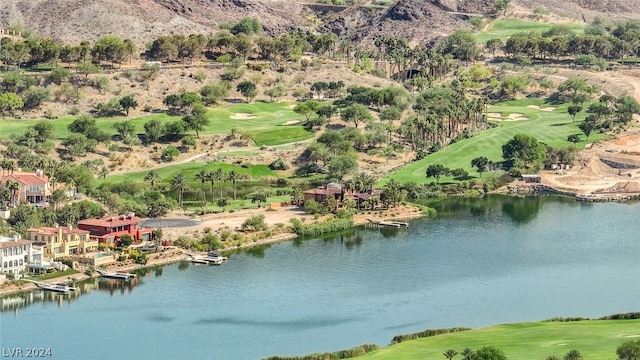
(180, 183)
(13, 187)
(221, 176)
(573, 355)
(203, 176)
(234, 177)
(450, 354)
(152, 177)
(212, 178)
(103, 173)
(468, 354)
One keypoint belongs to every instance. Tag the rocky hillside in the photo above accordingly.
(141, 20)
(71, 21)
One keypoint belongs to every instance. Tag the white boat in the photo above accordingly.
(116, 274)
(59, 288)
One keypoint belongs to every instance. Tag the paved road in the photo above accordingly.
(170, 223)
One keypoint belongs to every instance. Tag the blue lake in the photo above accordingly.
(483, 262)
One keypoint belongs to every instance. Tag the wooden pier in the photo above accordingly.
(380, 222)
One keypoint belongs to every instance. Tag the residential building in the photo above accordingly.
(34, 187)
(321, 193)
(62, 241)
(15, 253)
(110, 229)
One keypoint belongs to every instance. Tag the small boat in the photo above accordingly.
(116, 274)
(214, 257)
(62, 288)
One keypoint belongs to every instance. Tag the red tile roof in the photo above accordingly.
(12, 243)
(112, 221)
(53, 231)
(26, 178)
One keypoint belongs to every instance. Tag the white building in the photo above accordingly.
(15, 253)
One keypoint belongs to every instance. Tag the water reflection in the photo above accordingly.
(14, 302)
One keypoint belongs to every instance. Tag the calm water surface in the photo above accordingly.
(486, 262)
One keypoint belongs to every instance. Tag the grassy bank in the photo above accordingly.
(504, 28)
(594, 339)
(550, 127)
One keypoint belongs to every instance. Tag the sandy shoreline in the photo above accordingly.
(173, 254)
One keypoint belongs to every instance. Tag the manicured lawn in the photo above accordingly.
(53, 275)
(282, 135)
(504, 28)
(550, 127)
(265, 117)
(594, 339)
(190, 170)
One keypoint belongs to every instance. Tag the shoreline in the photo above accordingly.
(175, 254)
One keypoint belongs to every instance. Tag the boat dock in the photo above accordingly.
(380, 222)
(116, 275)
(61, 288)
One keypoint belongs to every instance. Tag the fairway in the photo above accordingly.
(504, 28)
(594, 339)
(261, 117)
(550, 127)
(190, 170)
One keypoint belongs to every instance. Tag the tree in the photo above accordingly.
(502, 5)
(306, 108)
(587, 127)
(573, 110)
(197, 120)
(392, 192)
(490, 353)
(468, 354)
(152, 178)
(87, 67)
(247, 26)
(169, 153)
(13, 187)
(103, 173)
(524, 149)
(223, 203)
(573, 355)
(629, 350)
(125, 240)
(214, 92)
(254, 223)
(450, 354)
(436, 171)
(480, 163)
(125, 128)
(128, 102)
(234, 177)
(153, 130)
(10, 103)
(258, 197)
(355, 113)
(181, 184)
(203, 177)
(248, 89)
(343, 165)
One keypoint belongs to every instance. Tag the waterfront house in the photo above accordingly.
(62, 241)
(320, 194)
(35, 187)
(15, 253)
(109, 229)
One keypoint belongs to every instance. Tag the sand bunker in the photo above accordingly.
(243, 116)
(536, 107)
(631, 336)
(292, 122)
(494, 115)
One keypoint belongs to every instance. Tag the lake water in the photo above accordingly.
(485, 262)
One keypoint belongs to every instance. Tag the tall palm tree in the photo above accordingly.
(180, 183)
(152, 177)
(468, 354)
(573, 355)
(203, 176)
(221, 176)
(234, 177)
(13, 187)
(211, 178)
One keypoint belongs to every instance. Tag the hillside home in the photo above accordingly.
(15, 253)
(35, 187)
(109, 229)
(62, 241)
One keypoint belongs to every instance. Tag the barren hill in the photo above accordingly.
(70, 21)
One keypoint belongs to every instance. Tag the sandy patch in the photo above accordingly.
(243, 116)
(292, 122)
(631, 336)
(494, 115)
(536, 107)
(511, 117)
